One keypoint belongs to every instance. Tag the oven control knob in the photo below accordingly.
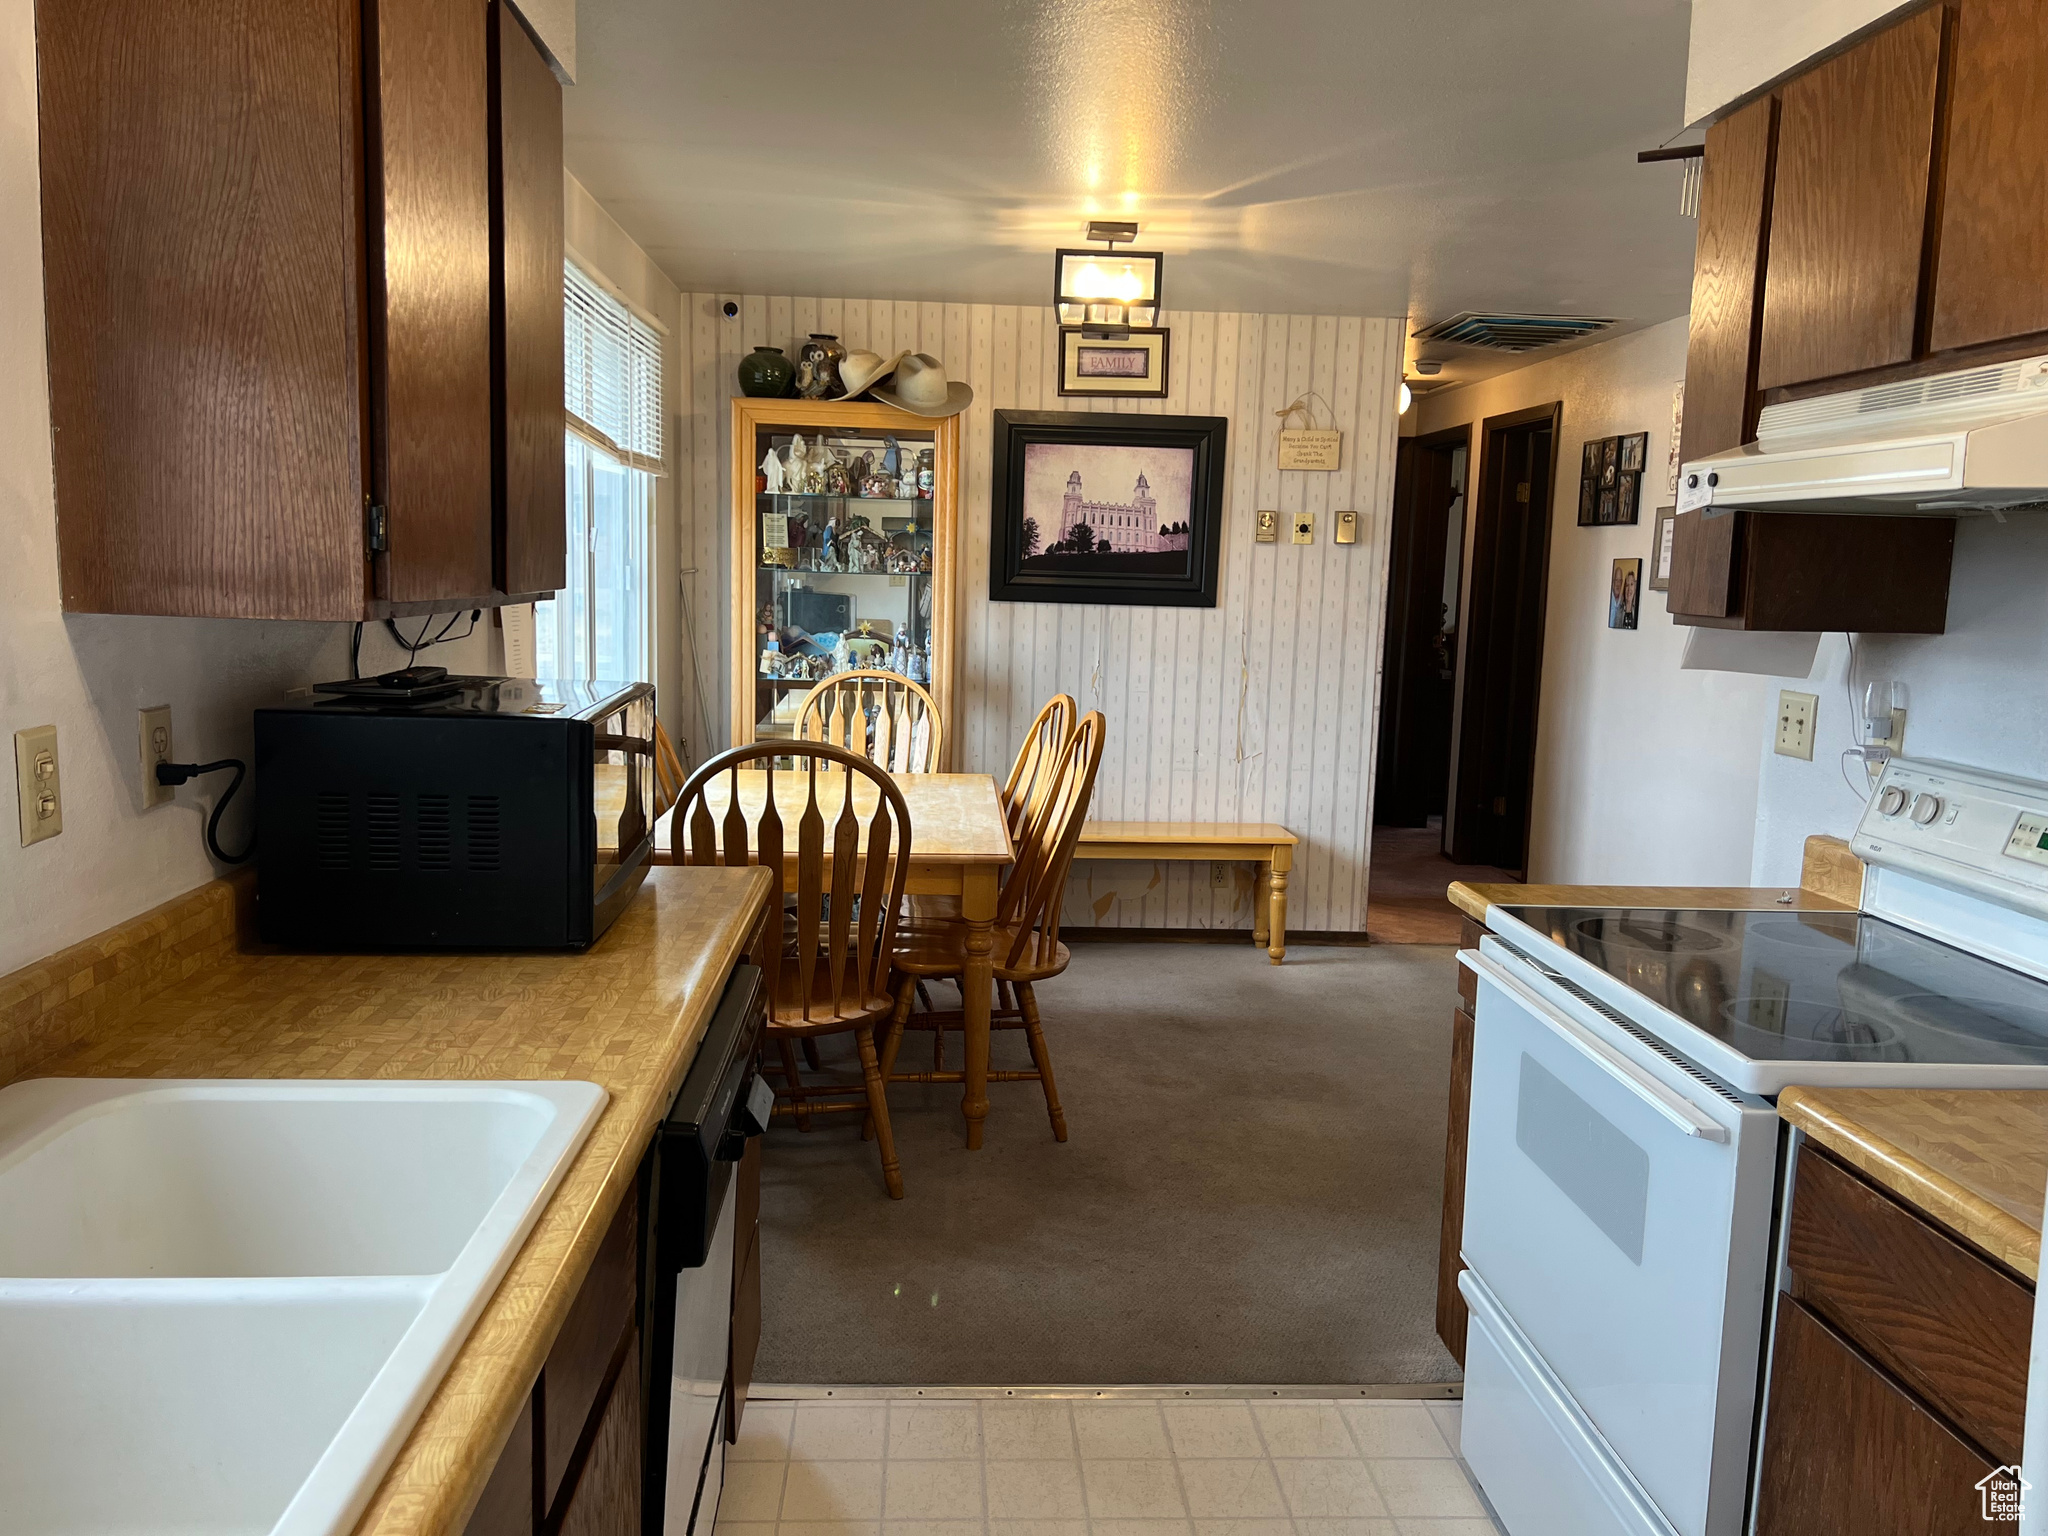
(1926, 808)
(1892, 801)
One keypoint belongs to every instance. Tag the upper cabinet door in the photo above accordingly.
(1735, 205)
(202, 266)
(1849, 210)
(526, 304)
(430, 159)
(1991, 274)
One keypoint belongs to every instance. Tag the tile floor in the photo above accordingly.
(1050, 1467)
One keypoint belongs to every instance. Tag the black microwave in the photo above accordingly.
(473, 813)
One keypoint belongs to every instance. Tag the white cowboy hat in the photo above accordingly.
(920, 386)
(858, 371)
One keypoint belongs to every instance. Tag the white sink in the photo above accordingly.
(224, 1304)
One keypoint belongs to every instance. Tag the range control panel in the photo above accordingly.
(1965, 825)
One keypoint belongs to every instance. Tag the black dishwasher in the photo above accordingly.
(689, 1263)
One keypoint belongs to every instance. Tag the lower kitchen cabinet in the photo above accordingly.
(1450, 1302)
(1898, 1369)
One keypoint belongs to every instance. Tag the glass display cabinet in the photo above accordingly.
(844, 525)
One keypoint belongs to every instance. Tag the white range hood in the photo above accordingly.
(1947, 445)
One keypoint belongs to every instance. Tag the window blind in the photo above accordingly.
(612, 374)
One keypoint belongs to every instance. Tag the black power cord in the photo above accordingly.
(177, 773)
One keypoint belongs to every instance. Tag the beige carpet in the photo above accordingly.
(1250, 1192)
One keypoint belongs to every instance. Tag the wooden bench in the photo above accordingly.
(1270, 846)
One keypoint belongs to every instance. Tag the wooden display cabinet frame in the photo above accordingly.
(809, 416)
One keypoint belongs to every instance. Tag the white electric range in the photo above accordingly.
(1625, 1168)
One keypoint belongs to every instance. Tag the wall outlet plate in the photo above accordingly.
(1347, 527)
(1304, 527)
(1219, 874)
(1796, 713)
(37, 788)
(153, 745)
(1268, 528)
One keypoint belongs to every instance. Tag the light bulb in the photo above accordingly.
(1128, 287)
(1407, 398)
(1091, 282)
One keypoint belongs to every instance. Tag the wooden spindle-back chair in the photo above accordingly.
(1038, 760)
(827, 972)
(1026, 937)
(882, 716)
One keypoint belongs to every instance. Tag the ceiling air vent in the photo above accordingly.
(1510, 333)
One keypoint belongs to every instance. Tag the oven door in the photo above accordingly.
(1618, 1206)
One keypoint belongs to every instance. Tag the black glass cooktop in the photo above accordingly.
(1811, 986)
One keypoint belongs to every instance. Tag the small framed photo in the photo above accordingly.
(1610, 508)
(1106, 365)
(1589, 500)
(1610, 461)
(1625, 594)
(1627, 493)
(1660, 548)
(1635, 452)
(1589, 458)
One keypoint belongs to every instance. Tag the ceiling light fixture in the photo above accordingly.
(1107, 287)
(1406, 398)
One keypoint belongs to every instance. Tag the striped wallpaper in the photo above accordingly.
(1264, 708)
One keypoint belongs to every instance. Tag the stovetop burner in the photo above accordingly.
(1655, 933)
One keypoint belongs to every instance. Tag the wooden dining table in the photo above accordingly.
(959, 846)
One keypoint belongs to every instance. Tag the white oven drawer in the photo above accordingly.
(1619, 1209)
(1545, 1469)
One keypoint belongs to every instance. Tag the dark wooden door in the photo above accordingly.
(1727, 280)
(1417, 679)
(526, 310)
(430, 269)
(203, 270)
(1847, 1453)
(1495, 748)
(1849, 207)
(1991, 276)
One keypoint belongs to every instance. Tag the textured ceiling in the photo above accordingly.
(1334, 156)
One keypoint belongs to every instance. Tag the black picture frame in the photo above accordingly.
(1628, 496)
(1194, 586)
(1635, 452)
(1134, 339)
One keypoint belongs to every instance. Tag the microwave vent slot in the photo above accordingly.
(383, 839)
(330, 831)
(435, 837)
(483, 832)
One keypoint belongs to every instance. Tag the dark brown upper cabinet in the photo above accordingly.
(1848, 220)
(271, 235)
(1991, 267)
(1727, 280)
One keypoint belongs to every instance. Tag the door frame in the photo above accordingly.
(1478, 506)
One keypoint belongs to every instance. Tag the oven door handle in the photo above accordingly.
(1671, 1105)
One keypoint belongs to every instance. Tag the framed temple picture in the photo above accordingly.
(1104, 363)
(1095, 508)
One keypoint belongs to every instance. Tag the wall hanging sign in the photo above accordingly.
(1092, 508)
(1660, 548)
(1308, 446)
(1113, 361)
(1611, 479)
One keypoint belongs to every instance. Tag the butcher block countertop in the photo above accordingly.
(1473, 900)
(626, 1014)
(1975, 1160)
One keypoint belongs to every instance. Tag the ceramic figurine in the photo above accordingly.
(925, 476)
(817, 367)
(861, 468)
(892, 458)
(828, 552)
(878, 486)
(798, 467)
(771, 473)
(836, 483)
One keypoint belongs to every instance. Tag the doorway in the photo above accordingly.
(1500, 668)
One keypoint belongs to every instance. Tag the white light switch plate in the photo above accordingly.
(36, 785)
(1796, 712)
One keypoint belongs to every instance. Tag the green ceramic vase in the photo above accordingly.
(765, 373)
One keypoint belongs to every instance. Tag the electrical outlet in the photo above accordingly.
(36, 784)
(1304, 527)
(1219, 874)
(153, 731)
(1795, 724)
